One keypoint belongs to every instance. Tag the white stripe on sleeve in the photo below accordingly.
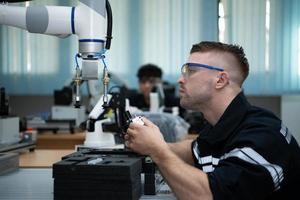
(247, 154)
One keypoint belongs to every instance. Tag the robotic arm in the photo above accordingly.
(89, 20)
(98, 126)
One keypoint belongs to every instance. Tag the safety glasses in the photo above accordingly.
(187, 68)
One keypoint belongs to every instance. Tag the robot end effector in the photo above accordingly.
(88, 20)
(91, 50)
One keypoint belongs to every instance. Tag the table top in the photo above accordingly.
(61, 136)
(52, 147)
(51, 140)
(42, 158)
(33, 179)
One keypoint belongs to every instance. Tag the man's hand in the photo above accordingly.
(186, 181)
(145, 139)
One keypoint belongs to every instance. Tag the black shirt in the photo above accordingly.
(138, 101)
(249, 154)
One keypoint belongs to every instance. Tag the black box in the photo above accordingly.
(97, 176)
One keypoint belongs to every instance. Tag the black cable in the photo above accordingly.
(109, 25)
(14, 1)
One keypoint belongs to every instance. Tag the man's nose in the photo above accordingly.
(148, 84)
(181, 79)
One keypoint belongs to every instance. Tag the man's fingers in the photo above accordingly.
(147, 122)
(130, 133)
(130, 129)
(126, 143)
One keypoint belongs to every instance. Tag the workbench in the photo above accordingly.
(49, 140)
(33, 180)
(37, 184)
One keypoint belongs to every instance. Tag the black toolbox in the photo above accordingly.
(103, 174)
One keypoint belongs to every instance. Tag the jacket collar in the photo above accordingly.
(230, 119)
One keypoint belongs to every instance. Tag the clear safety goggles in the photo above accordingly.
(188, 68)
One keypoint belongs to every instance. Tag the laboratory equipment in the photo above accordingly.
(90, 20)
(9, 124)
(10, 139)
(8, 162)
(100, 128)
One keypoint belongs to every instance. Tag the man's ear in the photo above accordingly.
(222, 80)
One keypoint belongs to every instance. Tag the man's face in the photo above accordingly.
(197, 85)
(146, 85)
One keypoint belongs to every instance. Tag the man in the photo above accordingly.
(150, 78)
(148, 75)
(246, 153)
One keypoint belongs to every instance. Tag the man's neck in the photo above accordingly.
(216, 108)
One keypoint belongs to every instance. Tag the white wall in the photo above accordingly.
(290, 114)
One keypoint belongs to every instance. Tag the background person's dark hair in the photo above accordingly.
(236, 50)
(149, 70)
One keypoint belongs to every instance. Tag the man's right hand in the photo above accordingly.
(145, 139)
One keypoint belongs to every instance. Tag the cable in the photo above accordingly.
(76, 61)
